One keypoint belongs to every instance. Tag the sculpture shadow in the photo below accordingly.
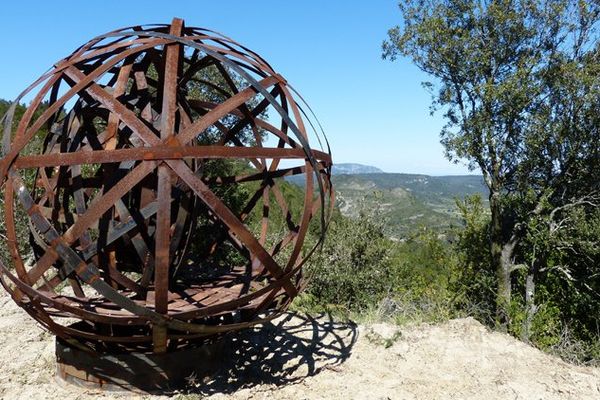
(284, 351)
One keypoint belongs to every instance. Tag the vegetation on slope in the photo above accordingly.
(406, 201)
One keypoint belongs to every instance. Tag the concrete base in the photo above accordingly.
(137, 372)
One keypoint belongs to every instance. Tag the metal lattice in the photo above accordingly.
(144, 156)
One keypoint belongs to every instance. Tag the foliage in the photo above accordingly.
(354, 268)
(428, 274)
(518, 84)
(491, 61)
(568, 278)
(475, 286)
(363, 274)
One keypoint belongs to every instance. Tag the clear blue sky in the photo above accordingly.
(374, 112)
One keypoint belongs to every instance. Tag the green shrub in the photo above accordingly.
(354, 268)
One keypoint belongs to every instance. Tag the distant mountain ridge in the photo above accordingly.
(426, 186)
(354, 168)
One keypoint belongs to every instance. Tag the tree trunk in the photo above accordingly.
(501, 263)
(530, 307)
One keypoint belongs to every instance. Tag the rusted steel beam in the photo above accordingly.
(162, 259)
(161, 152)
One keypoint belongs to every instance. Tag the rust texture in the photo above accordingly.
(141, 187)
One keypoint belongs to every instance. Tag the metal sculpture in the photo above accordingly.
(144, 225)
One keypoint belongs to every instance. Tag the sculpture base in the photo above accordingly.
(138, 372)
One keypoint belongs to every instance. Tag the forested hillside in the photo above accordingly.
(406, 201)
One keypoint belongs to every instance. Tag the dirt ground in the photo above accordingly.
(299, 357)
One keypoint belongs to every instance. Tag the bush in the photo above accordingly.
(475, 284)
(362, 272)
(354, 268)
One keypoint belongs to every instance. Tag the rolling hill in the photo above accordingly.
(406, 201)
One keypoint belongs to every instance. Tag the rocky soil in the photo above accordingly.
(299, 357)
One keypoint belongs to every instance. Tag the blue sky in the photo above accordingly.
(374, 111)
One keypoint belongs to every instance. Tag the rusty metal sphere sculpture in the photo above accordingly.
(144, 191)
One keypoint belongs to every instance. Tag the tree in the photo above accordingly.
(497, 69)
(560, 250)
(560, 172)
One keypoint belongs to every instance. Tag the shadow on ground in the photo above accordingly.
(283, 351)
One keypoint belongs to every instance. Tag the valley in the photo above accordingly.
(405, 201)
